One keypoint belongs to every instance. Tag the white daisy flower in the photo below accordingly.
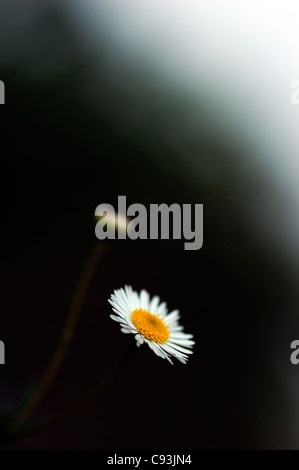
(149, 321)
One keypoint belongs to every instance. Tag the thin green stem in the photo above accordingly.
(65, 337)
(109, 377)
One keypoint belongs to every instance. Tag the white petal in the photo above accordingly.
(172, 317)
(139, 338)
(130, 297)
(144, 300)
(123, 299)
(181, 335)
(179, 348)
(120, 311)
(154, 303)
(181, 359)
(156, 349)
(125, 330)
(183, 342)
(162, 309)
(175, 328)
(116, 318)
(117, 303)
(172, 351)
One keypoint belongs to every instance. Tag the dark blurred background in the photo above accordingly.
(83, 123)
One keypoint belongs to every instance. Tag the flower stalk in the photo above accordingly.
(65, 337)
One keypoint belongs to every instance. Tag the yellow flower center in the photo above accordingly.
(150, 326)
